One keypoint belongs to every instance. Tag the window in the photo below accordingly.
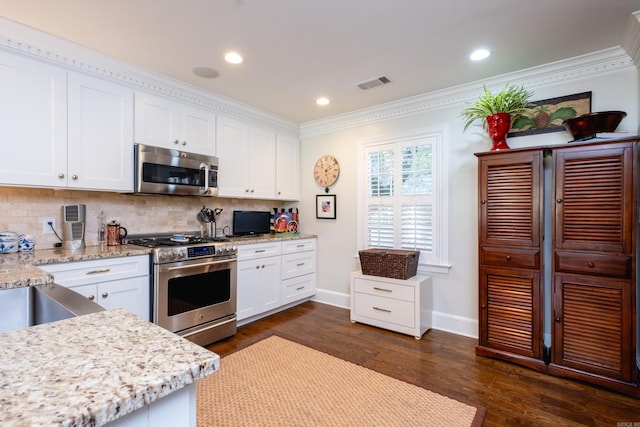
(403, 206)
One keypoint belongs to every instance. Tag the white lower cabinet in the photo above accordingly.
(258, 279)
(403, 306)
(122, 282)
(274, 275)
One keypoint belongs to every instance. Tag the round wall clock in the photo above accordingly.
(326, 171)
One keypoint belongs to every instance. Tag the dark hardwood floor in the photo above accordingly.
(445, 363)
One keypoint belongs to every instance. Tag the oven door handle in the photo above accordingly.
(202, 264)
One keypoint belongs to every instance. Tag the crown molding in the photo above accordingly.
(631, 37)
(587, 66)
(17, 38)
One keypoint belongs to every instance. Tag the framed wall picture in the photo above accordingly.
(326, 206)
(547, 115)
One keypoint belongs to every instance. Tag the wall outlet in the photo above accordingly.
(46, 228)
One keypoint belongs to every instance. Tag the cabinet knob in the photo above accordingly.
(508, 257)
(176, 142)
(184, 143)
(482, 202)
(60, 175)
(257, 267)
(74, 177)
(557, 319)
(91, 297)
(483, 306)
(590, 264)
(104, 295)
(559, 200)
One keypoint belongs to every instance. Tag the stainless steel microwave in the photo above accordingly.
(168, 171)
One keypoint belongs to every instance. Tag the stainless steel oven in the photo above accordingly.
(194, 287)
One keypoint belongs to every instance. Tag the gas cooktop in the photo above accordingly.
(166, 248)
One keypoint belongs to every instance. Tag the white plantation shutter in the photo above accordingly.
(400, 202)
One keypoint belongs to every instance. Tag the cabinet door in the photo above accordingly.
(100, 134)
(197, 130)
(261, 163)
(258, 286)
(593, 325)
(287, 168)
(157, 121)
(131, 295)
(594, 198)
(33, 122)
(232, 152)
(511, 311)
(510, 196)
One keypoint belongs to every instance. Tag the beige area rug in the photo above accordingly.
(277, 382)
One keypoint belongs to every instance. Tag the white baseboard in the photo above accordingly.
(441, 321)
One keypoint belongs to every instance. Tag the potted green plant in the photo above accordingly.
(496, 112)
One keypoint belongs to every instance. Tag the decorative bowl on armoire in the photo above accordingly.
(586, 126)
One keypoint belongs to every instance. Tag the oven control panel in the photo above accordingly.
(200, 251)
(164, 255)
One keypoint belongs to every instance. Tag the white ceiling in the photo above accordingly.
(297, 50)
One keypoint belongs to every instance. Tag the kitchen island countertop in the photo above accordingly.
(93, 369)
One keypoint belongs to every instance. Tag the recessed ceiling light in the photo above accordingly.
(206, 72)
(322, 101)
(479, 55)
(233, 58)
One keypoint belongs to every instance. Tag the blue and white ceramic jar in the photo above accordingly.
(26, 243)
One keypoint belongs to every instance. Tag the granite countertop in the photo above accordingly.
(20, 269)
(93, 369)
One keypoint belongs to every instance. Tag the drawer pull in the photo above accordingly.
(300, 264)
(382, 289)
(105, 295)
(590, 264)
(258, 251)
(102, 270)
(300, 288)
(508, 257)
(382, 309)
(301, 246)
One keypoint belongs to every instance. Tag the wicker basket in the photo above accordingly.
(392, 263)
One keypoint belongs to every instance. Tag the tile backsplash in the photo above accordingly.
(24, 209)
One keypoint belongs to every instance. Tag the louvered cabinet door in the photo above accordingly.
(594, 198)
(510, 204)
(592, 326)
(510, 311)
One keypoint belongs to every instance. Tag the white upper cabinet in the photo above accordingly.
(162, 122)
(100, 145)
(287, 167)
(247, 160)
(64, 129)
(33, 122)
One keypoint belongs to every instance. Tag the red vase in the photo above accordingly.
(498, 126)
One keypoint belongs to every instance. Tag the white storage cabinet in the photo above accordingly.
(162, 122)
(76, 133)
(298, 270)
(258, 278)
(403, 306)
(122, 282)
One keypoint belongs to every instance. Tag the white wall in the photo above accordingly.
(610, 76)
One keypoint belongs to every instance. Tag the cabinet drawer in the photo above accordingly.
(298, 264)
(603, 265)
(298, 288)
(387, 310)
(96, 271)
(384, 289)
(258, 250)
(522, 258)
(292, 246)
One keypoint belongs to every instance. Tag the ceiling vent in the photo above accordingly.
(369, 84)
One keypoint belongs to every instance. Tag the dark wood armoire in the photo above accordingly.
(557, 259)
